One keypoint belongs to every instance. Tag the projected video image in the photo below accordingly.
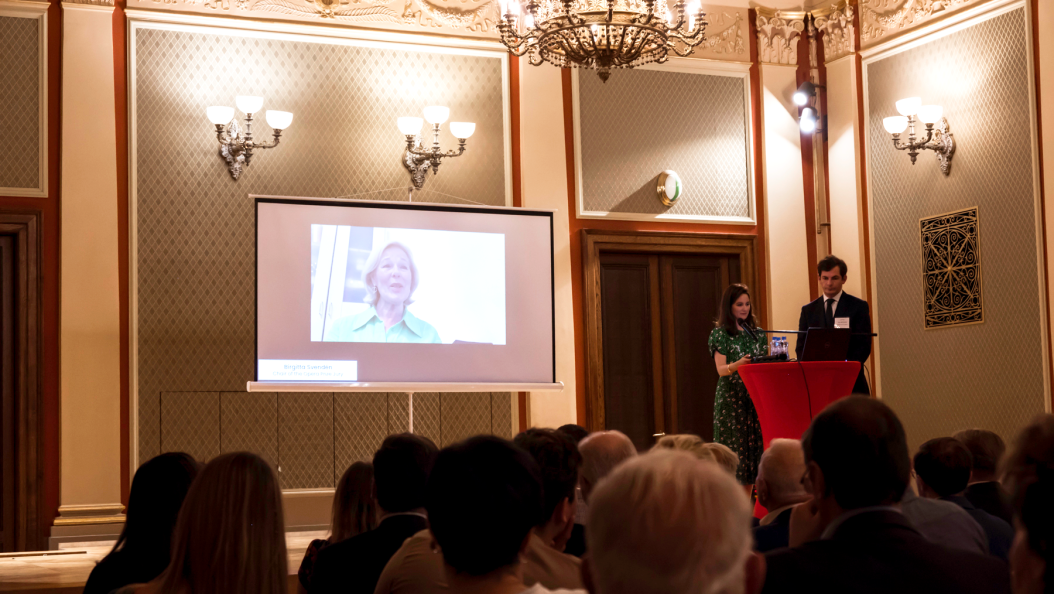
(383, 284)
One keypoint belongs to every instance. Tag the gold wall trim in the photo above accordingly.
(951, 269)
(82, 515)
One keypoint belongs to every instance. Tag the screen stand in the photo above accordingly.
(411, 395)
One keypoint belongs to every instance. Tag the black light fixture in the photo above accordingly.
(805, 97)
(807, 121)
(805, 92)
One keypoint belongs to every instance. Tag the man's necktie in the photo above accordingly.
(829, 316)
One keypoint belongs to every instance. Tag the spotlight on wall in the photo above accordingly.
(418, 159)
(805, 94)
(807, 121)
(938, 139)
(236, 145)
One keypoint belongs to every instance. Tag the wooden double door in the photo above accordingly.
(651, 372)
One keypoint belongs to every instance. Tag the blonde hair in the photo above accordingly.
(230, 535)
(669, 522)
(685, 442)
(724, 456)
(374, 260)
(354, 508)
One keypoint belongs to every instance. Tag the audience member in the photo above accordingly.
(668, 523)
(601, 453)
(559, 460)
(984, 490)
(576, 432)
(1030, 479)
(724, 456)
(944, 523)
(942, 470)
(854, 537)
(779, 489)
(485, 501)
(354, 512)
(576, 543)
(142, 550)
(685, 442)
(230, 535)
(401, 468)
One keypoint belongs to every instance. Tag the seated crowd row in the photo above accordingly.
(566, 510)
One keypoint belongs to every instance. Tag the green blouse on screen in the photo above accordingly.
(367, 326)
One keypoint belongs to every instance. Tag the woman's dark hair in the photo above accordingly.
(230, 535)
(354, 508)
(1029, 476)
(944, 465)
(484, 496)
(157, 493)
(725, 318)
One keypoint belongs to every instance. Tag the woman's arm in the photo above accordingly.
(724, 367)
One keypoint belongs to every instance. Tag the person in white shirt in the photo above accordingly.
(669, 523)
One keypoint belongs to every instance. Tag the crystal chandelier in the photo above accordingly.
(601, 34)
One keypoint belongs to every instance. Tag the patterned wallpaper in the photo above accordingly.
(194, 231)
(20, 98)
(642, 122)
(984, 375)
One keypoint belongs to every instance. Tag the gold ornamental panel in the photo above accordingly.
(951, 269)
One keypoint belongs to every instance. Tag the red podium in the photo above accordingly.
(788, 395)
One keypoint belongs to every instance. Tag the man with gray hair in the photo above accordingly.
(601, 452)
(668, 523)
(779, 490)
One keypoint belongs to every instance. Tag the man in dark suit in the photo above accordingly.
(985, 491)
(942, 470)
(838, 309)
(855, 539)
(779, 490)
(400, 471)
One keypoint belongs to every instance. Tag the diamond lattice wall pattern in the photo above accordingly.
(193, 224)
(20, 98)
(991, 374)
(642, 122)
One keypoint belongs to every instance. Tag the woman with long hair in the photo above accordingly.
(733, 342)
(354, 512)
(230, 535)
(142, 550)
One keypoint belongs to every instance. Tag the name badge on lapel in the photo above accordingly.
(841, 322)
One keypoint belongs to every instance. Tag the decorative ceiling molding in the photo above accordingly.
(452, 17)
(778, 35)
(839, 32)
(725, 34)
(881, 19)
(90, 2)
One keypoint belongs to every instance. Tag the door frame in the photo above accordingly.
(596, 241)
(25, 227)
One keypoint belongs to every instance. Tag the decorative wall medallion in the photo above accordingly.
(839, 33)
(951, 274)
(889, 17)
(778, 38)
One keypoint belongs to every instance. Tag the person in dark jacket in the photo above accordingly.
(142, 551)
(779, 490)
(400, 472)
(851, 536)
(984, 491)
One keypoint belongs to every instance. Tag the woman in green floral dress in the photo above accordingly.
(735, 420)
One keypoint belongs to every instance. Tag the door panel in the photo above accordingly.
(8, 361)
(627, 282)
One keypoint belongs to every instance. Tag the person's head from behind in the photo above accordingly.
(158, 490)
(987, 449)
(669, 523)
(576, 432)
(559, 460)
(779, 475)
(831, 272)
(684, 442)
(230, 536)
(483, 499)
(942, 467)
(354, 505)
(736, 309)
(1029, 476)
(856, 456)
(390, 275)
(400, 471)
(602, 452)
(724, 456)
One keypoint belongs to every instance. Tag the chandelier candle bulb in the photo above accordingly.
(435, 114)
(220, 115)
(279, 120)
(248, 104)
(909, 106)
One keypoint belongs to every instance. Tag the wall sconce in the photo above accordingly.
(938, 140)
(418, 159)
(237, 146)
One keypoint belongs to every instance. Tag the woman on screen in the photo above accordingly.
(390, 277)
(732, 344)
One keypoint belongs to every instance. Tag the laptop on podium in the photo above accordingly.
(826, 344)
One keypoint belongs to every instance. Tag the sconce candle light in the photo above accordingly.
(938, 139)
(236, 145)
(418, 159)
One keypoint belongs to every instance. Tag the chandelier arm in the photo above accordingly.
(267, 145)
